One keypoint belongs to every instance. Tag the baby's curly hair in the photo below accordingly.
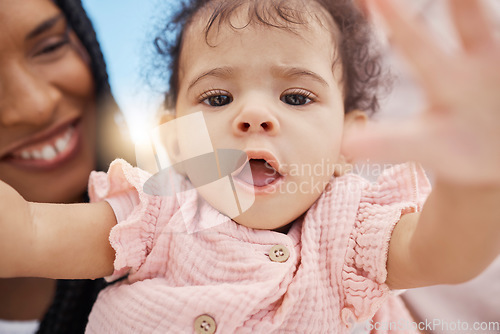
(361, 61)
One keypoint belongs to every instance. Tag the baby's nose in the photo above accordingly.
(256, 120)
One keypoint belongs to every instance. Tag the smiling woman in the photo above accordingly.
(55, 104)
(48, 107)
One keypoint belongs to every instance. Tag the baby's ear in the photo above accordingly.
(169, 138)
(164, 141)
(353, 121)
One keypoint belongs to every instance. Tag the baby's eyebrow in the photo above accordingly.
(279, 71)
(291, 72)
(219, 72)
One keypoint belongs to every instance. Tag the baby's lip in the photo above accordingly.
(262, 170)
(268, 156)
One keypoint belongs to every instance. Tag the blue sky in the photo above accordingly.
(124, 31)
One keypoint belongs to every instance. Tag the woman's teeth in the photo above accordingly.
(48, 151)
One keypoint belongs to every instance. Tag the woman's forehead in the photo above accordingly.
(27, 12)
(22, 21)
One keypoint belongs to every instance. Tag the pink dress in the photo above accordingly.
(325, 274)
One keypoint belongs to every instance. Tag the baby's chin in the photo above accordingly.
(260, 220)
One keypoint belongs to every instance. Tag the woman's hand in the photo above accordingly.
(458, 135)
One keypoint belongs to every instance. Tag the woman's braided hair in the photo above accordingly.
(71, 306)
(73, 300)
(80, 23)
(109, 147)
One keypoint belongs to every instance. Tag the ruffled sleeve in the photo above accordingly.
(398, 191)
(136, 213)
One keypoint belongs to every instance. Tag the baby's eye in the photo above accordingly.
(216, 99)
(297, 98)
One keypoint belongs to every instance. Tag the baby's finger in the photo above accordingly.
(414, 41)
(471, 23)
(452, 154)
(362, 5)
(389, 142)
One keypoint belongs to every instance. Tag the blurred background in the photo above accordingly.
(126, 34)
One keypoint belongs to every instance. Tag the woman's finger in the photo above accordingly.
(471, 23)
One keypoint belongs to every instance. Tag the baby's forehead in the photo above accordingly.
(214, 37)
(295, 16)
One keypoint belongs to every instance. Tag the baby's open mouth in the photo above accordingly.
(260, 173)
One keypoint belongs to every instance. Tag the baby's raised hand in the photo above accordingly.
(458, 135)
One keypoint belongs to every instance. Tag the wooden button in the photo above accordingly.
(279, 253)
(205, 324)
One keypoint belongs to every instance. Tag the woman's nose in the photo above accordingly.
(256, 120)
(26, 97)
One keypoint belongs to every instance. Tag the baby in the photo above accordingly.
(285, 83)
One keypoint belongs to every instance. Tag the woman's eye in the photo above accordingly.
(53, 47)
(53, 44)
(218, 100)
(296, 99)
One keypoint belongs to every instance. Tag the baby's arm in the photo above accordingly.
(54, 240)
(456, 137)
(453, 239)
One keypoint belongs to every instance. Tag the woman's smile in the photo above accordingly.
(48, 149)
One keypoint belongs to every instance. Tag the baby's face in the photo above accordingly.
(275, 95)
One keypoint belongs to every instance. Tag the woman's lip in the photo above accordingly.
(37, 138)
(71, 150)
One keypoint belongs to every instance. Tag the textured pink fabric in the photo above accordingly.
(334, 277)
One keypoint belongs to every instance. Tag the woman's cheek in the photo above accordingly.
(71, 74)
(75, 78)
